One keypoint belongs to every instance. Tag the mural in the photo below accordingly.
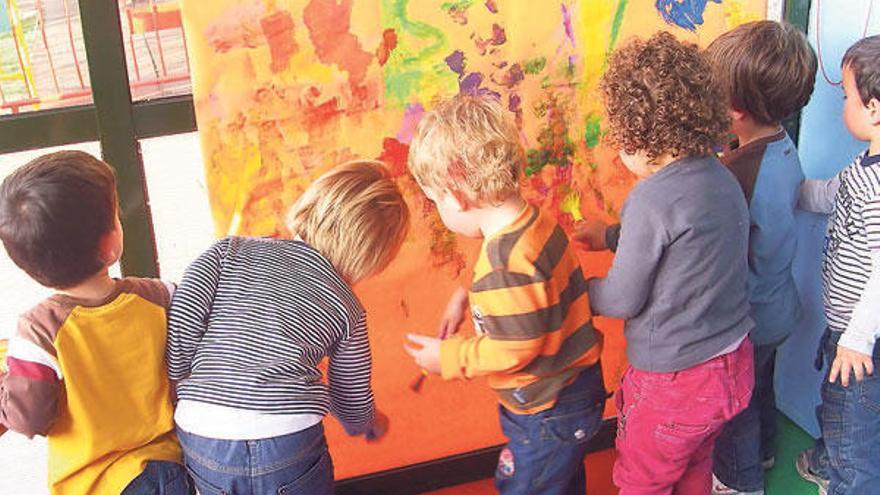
(285, 89)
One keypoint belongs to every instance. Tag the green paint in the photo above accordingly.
(592, 130)
(417, 62)
(593, 166)
(615, 25)
(459, 5)
(535, 65)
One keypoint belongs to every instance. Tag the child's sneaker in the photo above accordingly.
(768, 463)
(802, 464)
(719, 488)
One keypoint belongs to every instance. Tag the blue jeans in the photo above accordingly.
(848, 454)
(298, 463)
(160, 478)
(545, 452)
(748, 439)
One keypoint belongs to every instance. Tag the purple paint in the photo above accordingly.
(455, 61)
(566, 21)
(493, 8)
(514, 103)
(499, 37)
(471, 83)
(411, 117)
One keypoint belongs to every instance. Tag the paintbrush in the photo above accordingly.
(416, 384)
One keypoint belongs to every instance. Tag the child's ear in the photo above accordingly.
(873, 107)
(737, 115)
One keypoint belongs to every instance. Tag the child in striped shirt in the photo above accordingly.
(845, 459)
(535, 341)
(253, 318)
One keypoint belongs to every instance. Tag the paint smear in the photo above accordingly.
(535, 65)
(471, 83)
(592, 130)
(455, 62)
(566, 22)
(329, 24)
(615, 25)
(394, 153)
(491, 6)
(239, 27)
(571, 204)
(458, 10)
(498, 38)
(510, 78)
(411, 118)
(389, 43)
(687, 14)
(278, 30)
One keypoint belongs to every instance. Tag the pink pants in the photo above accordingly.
(667, 423)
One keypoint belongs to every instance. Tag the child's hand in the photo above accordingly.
(590, 235)
(848, 360)
(428, 357)
(379, 427)
(453, 315)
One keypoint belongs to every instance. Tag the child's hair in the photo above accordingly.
(863, 59)
(54, 211)
(355, 216)
(467, 145)
(660, 97)
(767, 69)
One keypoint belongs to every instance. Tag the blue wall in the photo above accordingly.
(825, 148)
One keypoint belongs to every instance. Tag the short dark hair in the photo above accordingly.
(54, 211)
(863, 58)
(767, 69)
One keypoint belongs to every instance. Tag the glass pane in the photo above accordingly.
(42, 57)
(178, 200)
(155, 48)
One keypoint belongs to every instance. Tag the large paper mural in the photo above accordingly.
(285, 89)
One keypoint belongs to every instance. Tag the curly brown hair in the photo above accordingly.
(660, 97)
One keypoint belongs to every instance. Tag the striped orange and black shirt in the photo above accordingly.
(532, 316)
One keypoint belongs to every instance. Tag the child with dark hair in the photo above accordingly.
(846, 459)
(679, 277)
(86, 366)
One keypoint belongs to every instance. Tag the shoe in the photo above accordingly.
(768, 463)
(719, 488)
(802, 464)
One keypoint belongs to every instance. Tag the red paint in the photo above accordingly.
(394, 153)
(319, 114)
(278, 30)
(389, 43)
(329, 24)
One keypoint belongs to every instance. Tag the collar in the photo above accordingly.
(867, 160)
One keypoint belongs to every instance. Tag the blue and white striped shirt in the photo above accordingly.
(251, 321)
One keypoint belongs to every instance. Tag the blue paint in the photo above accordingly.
(687, 14)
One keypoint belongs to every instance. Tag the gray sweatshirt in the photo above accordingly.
(680, 275)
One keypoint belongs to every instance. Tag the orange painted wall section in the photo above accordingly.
(285, 89)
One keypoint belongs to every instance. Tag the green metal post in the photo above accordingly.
(102, 35)
(797, 13)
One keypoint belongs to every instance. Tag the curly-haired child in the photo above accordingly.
(679, 277)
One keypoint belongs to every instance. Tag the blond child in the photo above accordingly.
(679, 277)
(535, 342)
(86, 366)
(253, 318)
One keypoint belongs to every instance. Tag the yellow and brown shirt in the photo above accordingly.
(532, 316)
(91, 377)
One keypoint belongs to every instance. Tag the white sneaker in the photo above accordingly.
(802, 464)
(719, 488)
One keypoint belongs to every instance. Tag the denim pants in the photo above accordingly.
(298, 463)
(545, 452)
(848, 454)
(748, 439)
(160, 478)
(667, 423)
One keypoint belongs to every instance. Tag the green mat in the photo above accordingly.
(783, 479)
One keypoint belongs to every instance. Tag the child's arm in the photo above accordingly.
(348, 375)
(30, 388)
(190, 307)
(856, 345)
(624, 291)
(817, 195)
(454, 313)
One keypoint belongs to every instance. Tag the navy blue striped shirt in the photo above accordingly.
(250, 323)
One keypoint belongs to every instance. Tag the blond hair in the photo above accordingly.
(467, 145)
(355, 216)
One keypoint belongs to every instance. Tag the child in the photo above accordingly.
(86, 366)
(679, 277)
(254, 317)
(845, 460)
(767, 69)
(535, 342)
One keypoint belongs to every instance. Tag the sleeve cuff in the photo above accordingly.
(859, 343)
(449, 366)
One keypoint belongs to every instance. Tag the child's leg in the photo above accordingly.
(741, 446)
(546, 450)
(295, 463)
(850, 421)
(667, 423)
(160, 478)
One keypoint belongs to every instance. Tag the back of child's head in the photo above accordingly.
(54, 212)
(863, 59)
(767, 69)
(355, 216)
(660, 98)
(468, 146)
